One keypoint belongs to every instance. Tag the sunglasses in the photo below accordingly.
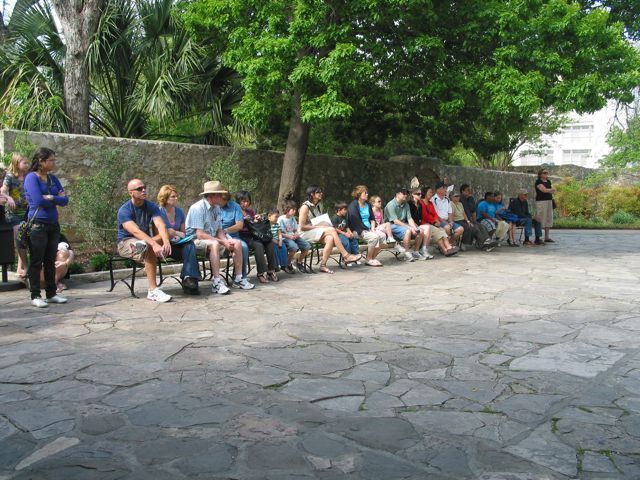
(139, 189)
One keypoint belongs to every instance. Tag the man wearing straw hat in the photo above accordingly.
(204, 220)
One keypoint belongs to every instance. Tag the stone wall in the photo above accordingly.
(185, 165)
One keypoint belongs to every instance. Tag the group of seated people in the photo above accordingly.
(449, 220)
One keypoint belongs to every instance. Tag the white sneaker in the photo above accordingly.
(400, 249)
(244, 284)
(416, 255)
(158, 295)
(409, 257)
(220, 288)
(390, 240)
(57, 299)
(139, 247)
(39, 302)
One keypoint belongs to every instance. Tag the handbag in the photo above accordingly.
(24, 231)
(261, 230)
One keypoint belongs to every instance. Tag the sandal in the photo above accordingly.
(262, 278)
(325, 269)
(352, 258)
(373, 263)
(272, 276)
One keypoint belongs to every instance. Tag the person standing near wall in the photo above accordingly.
(44, 193)
(544, 202)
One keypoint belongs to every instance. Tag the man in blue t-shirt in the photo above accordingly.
(232, 223)
(136, 241)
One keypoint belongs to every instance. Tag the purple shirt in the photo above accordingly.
(34, 191)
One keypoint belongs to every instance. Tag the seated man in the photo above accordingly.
(444, 211)
(486, 212)
(232, 220)
(520, 206)
(135, 240)
(204, 220)
(403, 227)
(483, 237)
(472, 232)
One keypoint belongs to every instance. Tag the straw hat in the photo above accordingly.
(214, 186)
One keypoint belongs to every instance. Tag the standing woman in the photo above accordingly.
(13, 188)
(44, 193)
(544, 202)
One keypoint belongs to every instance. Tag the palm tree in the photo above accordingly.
(149, 77)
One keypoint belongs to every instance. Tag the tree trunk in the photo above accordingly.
(79, 20)
(294, 154)
(3, 28)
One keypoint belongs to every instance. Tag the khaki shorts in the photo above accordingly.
(202, 245)
(437, 234)
(125, 249)
(373, 239)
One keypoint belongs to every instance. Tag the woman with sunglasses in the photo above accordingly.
(44, 193)
(544, 203)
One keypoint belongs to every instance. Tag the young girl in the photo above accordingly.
(13, 189)
(292, 238)
(278, 240)
(378, 213)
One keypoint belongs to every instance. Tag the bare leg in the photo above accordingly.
(237, 258)
(546, 233)
(150, 262)
(328, 248)
(419, 239)
(456, 234)
(331, 233)
(407, 239)
(214, 258)
(426, 229)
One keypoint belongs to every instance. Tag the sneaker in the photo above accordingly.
(427, 256)
(289, 269)
(390, 240)
(39, 302)
(220, 288)
(463, 247)
(300, 267)
(243, 284)
(409, 257)
(416, 255)
(139, 247)
(190, 286)
(539, 242)
(400, 249)
(157, 295)
(57, 299)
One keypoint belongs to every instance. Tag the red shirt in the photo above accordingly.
(428, 213)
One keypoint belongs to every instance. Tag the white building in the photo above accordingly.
(582, 142)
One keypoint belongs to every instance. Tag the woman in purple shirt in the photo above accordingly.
(44, 194)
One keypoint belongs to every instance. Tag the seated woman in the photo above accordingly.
(416, 214)
(266, 268)
(325, 234)
(174, 218)
(503, 214)
(363, 222)
(429, 216)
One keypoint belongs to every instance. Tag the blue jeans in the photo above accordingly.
(281, 254)
(527, 223)
(245, 258)
(399, 231)
(349, 244)
(43, 246)
(297, 244)
(186, 253)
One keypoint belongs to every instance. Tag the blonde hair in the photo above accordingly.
(164, 193)
(358, 190)
(14, 166)
(373, 198)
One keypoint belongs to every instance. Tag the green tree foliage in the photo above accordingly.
(625, 145)
(228, 171)
(475, 72)
(149, 77)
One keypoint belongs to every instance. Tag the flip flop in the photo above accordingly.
(325, 269)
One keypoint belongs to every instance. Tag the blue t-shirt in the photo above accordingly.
(35, 189)
(364, 215)
(142, 217)
(180, 218)
(486, 207)
(231, 213)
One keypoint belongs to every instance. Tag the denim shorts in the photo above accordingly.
(399, 231)
(455, 225)
(297, 244)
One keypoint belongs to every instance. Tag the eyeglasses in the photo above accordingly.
(417, 194)
(139, 189)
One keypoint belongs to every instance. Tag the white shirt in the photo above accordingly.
(442, 206)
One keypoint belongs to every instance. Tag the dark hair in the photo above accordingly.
(496, 193)
(243, 195)
(463, 187)
(542, 170)
(42, 153)
(288, 204)
(311, 189)
(424, 190)
(340, 205)
(273, 210)
(488, 194)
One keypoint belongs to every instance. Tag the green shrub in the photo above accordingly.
(621, 199)
(228, 171)
(76, 268)
(576, 200)
(23, 145)
(99, 262)
(96, 198)
(623, 218)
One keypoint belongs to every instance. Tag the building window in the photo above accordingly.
(577, 132)
(536, 157)
(576, 157)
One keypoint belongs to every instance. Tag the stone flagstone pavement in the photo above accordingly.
(515, 365)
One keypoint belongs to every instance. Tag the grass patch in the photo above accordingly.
(276, 386)
(554, 424)
(488, 409)
(593, 224)
(585, 409)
